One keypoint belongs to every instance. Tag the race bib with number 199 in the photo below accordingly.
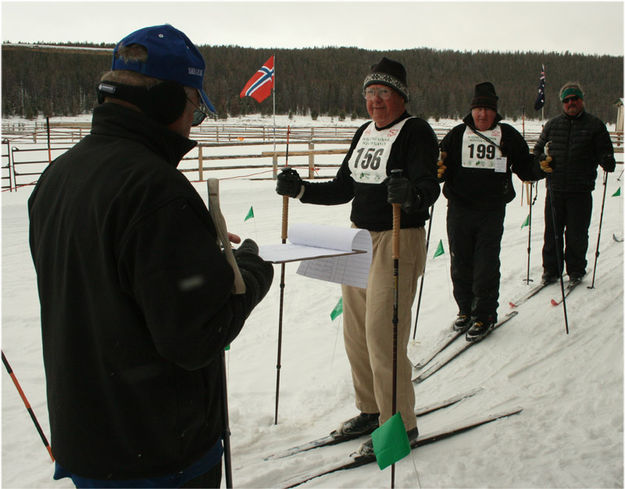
(481, 154)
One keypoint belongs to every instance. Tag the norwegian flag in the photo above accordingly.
(259, 86)
(540, 99)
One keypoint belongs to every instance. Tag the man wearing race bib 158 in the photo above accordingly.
(392, 140)
(477, 161)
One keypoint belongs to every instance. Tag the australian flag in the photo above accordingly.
(540, 99)
(259, 86)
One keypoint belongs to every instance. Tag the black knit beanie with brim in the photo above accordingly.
(389, 73)
(485, 96)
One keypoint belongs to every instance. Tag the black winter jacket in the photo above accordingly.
(414, 151)
(136, 302)
(577, 145)
(486, 189)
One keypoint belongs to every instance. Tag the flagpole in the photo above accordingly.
(273, 96)
(542, 109)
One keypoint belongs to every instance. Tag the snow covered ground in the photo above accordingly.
(570, 433)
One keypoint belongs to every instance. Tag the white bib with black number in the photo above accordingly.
(481, 154)
(368, 161)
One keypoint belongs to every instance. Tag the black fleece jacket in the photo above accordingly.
(136, 302)
(482, 189)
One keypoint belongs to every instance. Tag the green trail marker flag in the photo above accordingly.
(617, 193)
(526, 223)
(250, 214)
(338, 310)
(439, 249)
(390, 442)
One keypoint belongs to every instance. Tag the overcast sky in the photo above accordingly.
(576, 26)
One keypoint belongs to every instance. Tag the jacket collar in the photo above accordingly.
(114, 120)
(468, 120)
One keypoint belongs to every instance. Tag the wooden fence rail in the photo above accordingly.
(26, 154)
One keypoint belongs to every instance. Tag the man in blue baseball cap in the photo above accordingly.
(160, 71)
(137, 301)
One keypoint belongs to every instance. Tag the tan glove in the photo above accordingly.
(441, 165)
(545, 164)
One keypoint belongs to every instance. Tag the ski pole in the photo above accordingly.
(427, 247)
(529, 233)
(227, 452)
(285, 222)
(396, 227)
(27, 404)
(557, 238)
(594, 270)
(239, 288)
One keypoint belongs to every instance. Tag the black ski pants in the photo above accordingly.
(568, 238)
(475, 242)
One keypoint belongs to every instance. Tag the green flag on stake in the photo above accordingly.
(338, 310)
(617, 193)
(390, 442)
(439, 249)
(526, 223)
(250, 214)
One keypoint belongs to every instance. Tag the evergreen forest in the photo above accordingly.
(323, 81)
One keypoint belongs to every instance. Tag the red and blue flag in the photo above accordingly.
(259, 86)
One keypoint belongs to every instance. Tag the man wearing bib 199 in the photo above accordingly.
(392, 140)
(477, 161)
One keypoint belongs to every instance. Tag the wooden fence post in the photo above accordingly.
(311, 160)
(200, 163)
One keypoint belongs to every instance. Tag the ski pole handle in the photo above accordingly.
(285, 217)
(396, 218)
(222, 233)
(285, 198)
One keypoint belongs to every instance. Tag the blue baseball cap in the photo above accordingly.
(171, 57)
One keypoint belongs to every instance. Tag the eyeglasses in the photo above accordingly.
(383, 93)
(199, 114)
(574, 98)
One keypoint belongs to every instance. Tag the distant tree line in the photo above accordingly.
(324, 81)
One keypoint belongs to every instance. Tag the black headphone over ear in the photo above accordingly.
(164, 102)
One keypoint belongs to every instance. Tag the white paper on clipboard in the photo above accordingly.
(334, 254)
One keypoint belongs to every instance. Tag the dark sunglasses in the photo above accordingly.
(199, 114)
(574, 98)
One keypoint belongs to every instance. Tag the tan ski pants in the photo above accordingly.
(368, 326)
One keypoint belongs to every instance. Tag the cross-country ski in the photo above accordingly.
(335, 438)
(528, 295)
(457, 351)
(354, 460)
(446, 339)
(567, 290)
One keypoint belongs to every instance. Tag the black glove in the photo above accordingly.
(289, 183)
(257, 274)
(399, 190)
(248, 246)
(608, 163)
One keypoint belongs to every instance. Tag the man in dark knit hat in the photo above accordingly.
(578, 142)
(478, 158)
(392, 140)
